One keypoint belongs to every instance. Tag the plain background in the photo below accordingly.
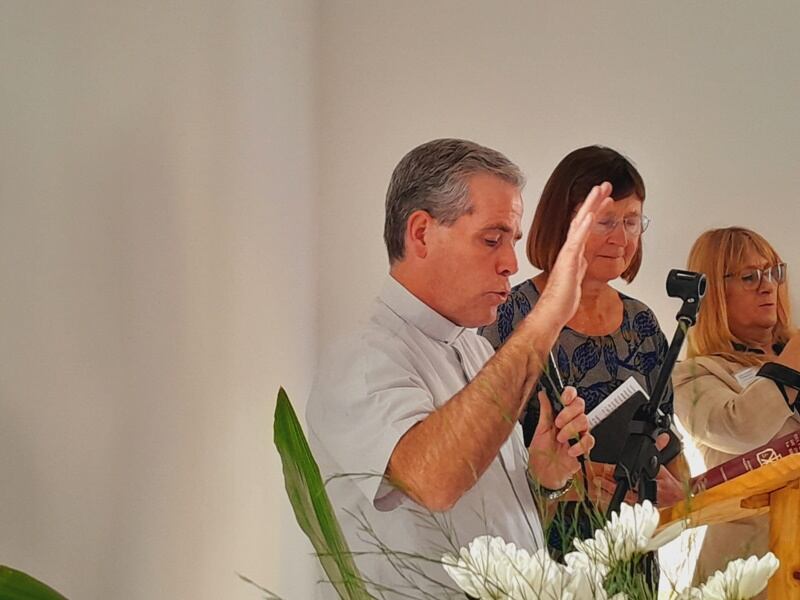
(191, 206)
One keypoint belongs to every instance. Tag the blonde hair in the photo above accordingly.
(716, 253)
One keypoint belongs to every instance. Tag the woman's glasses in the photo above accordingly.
(634, 225)
(751, 278)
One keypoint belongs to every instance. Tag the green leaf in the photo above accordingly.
(16, 585)
(311, 505)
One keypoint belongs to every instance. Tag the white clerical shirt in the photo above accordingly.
(407, 361)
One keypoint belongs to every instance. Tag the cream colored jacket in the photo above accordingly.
(727, 416)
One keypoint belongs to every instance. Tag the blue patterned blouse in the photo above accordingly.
(595, 365)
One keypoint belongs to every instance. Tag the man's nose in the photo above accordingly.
(507, 264)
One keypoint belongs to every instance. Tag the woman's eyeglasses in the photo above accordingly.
(751, 278)
(634, 225)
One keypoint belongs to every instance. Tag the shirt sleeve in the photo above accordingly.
(723, 418)
(368, 398)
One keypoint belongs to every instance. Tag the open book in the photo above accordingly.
(613, 401)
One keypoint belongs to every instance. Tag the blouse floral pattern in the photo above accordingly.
(595, 365)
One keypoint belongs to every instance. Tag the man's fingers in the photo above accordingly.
(578, 232)
(574, 406)
(569, 395)
(573, 428)
(597, 199)
(662, 440)
(572, 420)
(584, 445)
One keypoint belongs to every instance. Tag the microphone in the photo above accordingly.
(553, 386)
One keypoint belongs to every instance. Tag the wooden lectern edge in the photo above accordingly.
(743, 496)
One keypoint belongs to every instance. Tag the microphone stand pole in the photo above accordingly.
(640, 460)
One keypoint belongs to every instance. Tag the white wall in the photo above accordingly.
(702, 96)
(190, 203)
(157, 191)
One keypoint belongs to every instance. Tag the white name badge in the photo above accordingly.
(746, 376)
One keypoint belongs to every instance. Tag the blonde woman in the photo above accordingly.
(744, 322)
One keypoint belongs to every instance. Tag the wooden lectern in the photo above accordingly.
(773, 488)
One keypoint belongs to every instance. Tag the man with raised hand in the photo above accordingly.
(414, 413)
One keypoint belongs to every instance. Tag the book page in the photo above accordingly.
(614, 400)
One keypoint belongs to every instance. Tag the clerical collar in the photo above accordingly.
(414, 311)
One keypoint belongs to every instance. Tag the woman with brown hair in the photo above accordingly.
(612, 336)
(744, 322)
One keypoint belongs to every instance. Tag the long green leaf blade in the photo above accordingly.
(312, 507)
(16, 585)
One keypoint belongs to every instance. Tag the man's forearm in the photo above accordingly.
(443, 456)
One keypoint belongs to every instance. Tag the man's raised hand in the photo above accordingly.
(562, 294)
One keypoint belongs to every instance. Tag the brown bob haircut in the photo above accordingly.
(716, 253)
(567, 188)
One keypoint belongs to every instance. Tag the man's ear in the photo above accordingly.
(418, 230)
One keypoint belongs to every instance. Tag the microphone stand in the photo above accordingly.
(640, 460)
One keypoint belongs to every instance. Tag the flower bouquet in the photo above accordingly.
(607, 566)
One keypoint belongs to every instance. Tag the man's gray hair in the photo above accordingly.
(434, 177)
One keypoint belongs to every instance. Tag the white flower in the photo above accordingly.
(689, 594)
(489, 568)
(741, 579)
(481, 568)
(667, 534)
(588, 576)
(627, 533)
(545, 579)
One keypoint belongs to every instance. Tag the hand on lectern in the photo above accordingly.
(670, 490)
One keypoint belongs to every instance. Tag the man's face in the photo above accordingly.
(470, 261)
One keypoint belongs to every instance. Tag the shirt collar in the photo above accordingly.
(777, 348)
(415, 312)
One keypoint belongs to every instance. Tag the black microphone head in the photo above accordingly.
(686, 285)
